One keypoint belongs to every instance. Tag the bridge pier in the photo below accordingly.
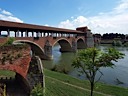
(48, 50)
(74, 46)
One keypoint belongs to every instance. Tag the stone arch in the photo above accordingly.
(64, 44)
(81, 44)
(36, 49)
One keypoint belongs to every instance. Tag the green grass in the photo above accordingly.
(62, 88)
(54, 88)
(6, 73)
(113, 90)
(67, 78)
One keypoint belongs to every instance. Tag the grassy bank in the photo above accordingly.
(57, 88)
(58, 84)
(6, 73)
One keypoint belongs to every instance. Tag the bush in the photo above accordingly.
(126, 44)
(117, 43)
(37, 91)
(10, 41)
(61, 69)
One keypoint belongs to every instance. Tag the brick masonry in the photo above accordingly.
(15, 58)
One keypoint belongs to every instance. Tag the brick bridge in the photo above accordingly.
(43, 38)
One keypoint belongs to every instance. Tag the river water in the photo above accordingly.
(120, 70)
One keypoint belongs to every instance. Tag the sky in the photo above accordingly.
(101, 16)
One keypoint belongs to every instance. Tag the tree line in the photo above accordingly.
(112, 36)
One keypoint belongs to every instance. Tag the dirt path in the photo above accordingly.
(77, 86)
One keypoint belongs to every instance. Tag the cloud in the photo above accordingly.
(122, 7)
(46, 25)
(79, 21)
(5, 15)
(115, 21)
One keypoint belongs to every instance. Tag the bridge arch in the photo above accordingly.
(64, 44)
(36, 49)
(81, 43)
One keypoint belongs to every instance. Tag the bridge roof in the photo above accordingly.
(14, 26)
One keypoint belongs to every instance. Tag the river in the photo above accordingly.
(120, 70)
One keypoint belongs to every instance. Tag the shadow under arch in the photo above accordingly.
(81, 44)
(36, 49)
(64, 44)
(15, 82)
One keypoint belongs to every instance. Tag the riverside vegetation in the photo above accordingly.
(90, 60)
(57, 85)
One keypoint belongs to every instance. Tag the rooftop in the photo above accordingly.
(14, 26)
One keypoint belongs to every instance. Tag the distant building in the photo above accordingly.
(97, 38)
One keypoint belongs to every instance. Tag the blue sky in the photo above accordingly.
(101, 16)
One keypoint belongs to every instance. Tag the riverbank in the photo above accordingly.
(64, 61)
(58, 84)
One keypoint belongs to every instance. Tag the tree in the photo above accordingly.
(90, 60)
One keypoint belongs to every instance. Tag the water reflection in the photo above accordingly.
(62, 60)
(119, 72)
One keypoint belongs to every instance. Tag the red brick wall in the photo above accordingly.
(17, 59)
(41, 41)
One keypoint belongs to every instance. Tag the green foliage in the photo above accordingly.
(126, 44)
(106, 59)
(117, 43)
(90, 60)
(10, 41)
(60, 68)
(37, 91)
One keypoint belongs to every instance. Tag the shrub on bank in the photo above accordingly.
(117, 43)
(37, 91)
(126, 44)
(60, 69)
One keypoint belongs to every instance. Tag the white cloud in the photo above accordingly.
(115, 21)
(122, 7)
(46, 25)
(5, 15)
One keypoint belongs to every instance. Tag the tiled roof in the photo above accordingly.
(15, 25)
(84, 29)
